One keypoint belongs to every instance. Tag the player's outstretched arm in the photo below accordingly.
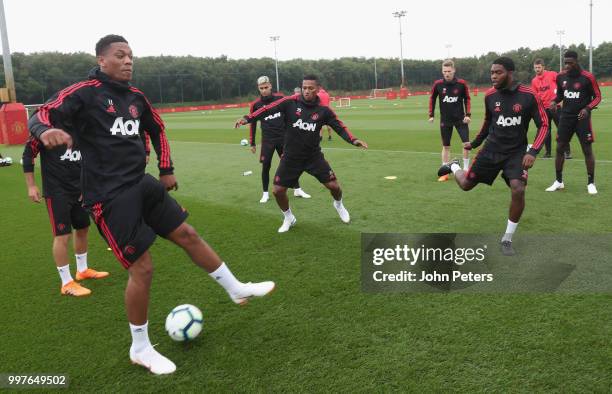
(360, 143)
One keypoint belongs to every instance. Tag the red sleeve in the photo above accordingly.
(252, 126)
(433, 95)
(156, 130)
(596, 92)
(468, 100)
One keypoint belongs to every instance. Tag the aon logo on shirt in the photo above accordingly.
(71, 155)
(449, 99)
(508, 121)
(129, 127)
(305, 125)
(571, 95)
(273, 116)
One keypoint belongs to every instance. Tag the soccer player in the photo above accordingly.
(272, 136)
(455, 109)
(509, 107)
(129, 207)
(304, 116)
(61, 175)
(580, 94)
(544, 85)
(324, 101)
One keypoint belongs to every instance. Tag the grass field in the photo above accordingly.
(318, 331)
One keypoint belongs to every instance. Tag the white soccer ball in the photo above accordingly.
(244, 142)
(184, 323)
(8, 160)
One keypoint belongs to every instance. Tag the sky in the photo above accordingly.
(309, 29)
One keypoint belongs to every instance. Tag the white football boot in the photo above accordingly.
(287, 224)
(301, 193)
(556, 186)
(153, 361)
(264, 197)
(249, 290)
(342, 212)
(591, 188)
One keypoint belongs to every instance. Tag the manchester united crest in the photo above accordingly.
(314, 116)
(133, 111)
(517, 108)
(577, 85)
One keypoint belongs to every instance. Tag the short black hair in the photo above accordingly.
(311, 77)
(106, 41)
(506, 62)
(538, 61)
(571, 54)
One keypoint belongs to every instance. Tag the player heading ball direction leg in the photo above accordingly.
(509, 107)
(129, 207)
(304, 116)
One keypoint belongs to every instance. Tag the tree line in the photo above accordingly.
(187, 79)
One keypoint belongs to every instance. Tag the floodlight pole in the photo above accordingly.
(448, 48)
(375, 76)
(591, 36)
(560, 33)
(6, 56)
(275, 39)
(399, 15)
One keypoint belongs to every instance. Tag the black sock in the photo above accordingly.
(560, 176)
(591, 178)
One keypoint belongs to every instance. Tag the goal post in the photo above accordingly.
(380, 93)
(343, 102)
(31, 108)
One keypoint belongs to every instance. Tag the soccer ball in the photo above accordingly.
(244, 142)
(184, 323)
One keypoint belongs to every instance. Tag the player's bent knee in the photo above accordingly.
(62, 239)
(142, 269)
(279, 190)
(187, 234)
(333, 186)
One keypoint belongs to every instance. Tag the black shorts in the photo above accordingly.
(446, 131)
(66, 213)
(290, 169)
(487, 165)
(130, 221)
(568, 125)
(267, 150)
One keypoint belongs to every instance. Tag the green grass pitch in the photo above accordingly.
(317, 331)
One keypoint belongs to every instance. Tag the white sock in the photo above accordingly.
(288, 214)
(140, 337)
(338, 203)
(81, 261)
(299, 189)
(510, 229)
(455, 167)
(466, 163)
(64, 273)
(226, 279)
(266, 194)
